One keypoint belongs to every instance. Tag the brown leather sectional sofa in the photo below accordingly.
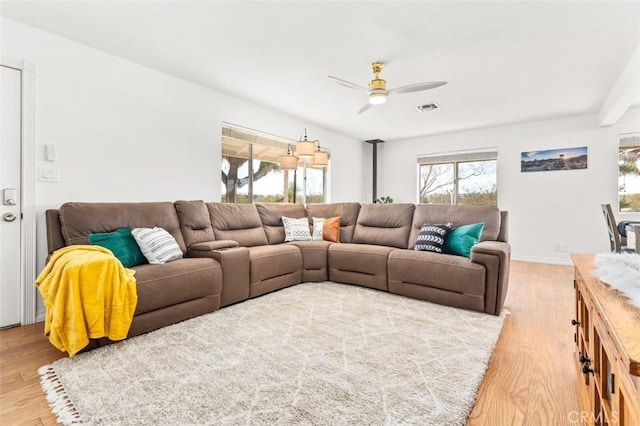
(233, 252)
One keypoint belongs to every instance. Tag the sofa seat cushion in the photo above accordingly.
(176, 282)
(361, 264)
(443, 271)
(314, 259)
(272, 267)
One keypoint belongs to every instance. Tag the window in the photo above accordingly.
(264, 181)
(629, 173)
(458, 178)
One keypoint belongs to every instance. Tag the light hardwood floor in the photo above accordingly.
(531, 380)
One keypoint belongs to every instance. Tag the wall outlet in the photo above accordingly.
(48, 174)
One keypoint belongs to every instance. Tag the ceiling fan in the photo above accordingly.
(378, 87)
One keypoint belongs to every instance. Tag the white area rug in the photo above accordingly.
(622, 272)
(312, 354)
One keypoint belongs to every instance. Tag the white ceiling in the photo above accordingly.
(505, 62)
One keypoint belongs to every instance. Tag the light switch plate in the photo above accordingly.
(48, 174)
(50, 152)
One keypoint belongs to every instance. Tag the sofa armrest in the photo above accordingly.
(201, 249)
(234, 261)
(495, 257)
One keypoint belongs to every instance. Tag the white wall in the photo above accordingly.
(124, 132)
(546, 209)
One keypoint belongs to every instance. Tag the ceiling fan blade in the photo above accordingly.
(348, 84)
(417, 87)
(364, 108)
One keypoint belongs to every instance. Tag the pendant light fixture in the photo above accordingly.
(305, 149)
(320, 158)
(288, 161)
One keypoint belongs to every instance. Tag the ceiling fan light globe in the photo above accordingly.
(377, 98)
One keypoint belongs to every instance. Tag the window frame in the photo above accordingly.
(626, 141)
(253, 137)
(455, 159)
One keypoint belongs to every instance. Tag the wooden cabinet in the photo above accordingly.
(607, 341)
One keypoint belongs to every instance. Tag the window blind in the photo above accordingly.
(459, 156)
(630, 140)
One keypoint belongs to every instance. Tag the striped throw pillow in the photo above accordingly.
(432, 237)
(157, 245)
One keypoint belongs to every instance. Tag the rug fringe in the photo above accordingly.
(57, 397)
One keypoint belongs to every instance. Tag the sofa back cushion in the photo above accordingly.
(78, 220)
(271, 217)
(195, 222)
(238, 222)
(458, 215)
(384, 224)
(348, 213)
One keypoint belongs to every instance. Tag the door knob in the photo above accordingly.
(8, 217)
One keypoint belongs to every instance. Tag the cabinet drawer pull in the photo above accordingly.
(574, 322)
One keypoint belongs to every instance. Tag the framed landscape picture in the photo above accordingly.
(554, 159)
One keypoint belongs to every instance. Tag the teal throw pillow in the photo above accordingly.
(461, 239)
(122, 244)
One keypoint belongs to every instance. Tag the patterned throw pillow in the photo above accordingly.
(318, 223)
(157, 245)
(432, 237)
(296, 229)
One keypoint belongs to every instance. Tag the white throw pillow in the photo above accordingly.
(157, 245)
(296, 229)
(318, 224)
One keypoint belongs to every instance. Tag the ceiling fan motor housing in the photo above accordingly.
(378, 84)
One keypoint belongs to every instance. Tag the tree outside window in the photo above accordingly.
(629, 174)
(459, 182)
(264, 181)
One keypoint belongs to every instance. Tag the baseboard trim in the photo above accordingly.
(548, 260)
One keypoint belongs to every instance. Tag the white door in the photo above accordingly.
(10, 217)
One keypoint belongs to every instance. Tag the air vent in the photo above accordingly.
(428, 107)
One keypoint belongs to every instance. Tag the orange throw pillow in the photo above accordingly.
(331, 229)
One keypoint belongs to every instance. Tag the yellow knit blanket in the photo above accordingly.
(88, 294)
